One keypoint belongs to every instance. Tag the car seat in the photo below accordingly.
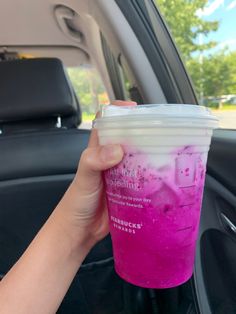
(40, 147)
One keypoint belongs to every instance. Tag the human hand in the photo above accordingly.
(57, 251)
(85, 200)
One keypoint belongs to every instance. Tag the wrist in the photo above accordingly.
(77, 239)
(83, 217)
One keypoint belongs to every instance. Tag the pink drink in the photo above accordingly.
(154, 195)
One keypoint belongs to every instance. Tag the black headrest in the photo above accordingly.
(36, 89)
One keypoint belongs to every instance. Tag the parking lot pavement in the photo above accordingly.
(227, 118)
(85, 125)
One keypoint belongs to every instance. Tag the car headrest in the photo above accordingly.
(37, 90)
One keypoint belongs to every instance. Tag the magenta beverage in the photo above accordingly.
(154, 195)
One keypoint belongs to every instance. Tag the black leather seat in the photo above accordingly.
(40, 148)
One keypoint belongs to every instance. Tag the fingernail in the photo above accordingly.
(123, 103)
(98, 114)
(111, 153)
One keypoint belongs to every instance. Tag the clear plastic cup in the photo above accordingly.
(154, 195)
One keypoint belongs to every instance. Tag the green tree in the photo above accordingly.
(185, 23)
(212, 74)
(231, 59)
(87, 85)
(216, 75)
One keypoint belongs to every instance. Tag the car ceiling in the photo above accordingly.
(32, 28)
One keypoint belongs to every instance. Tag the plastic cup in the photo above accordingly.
(154, 195)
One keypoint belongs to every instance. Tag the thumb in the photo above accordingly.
(93, 161)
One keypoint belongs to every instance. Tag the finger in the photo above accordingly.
(93, 140)
(94, 160)
(123, 103)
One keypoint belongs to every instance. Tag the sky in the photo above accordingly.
(223, 11)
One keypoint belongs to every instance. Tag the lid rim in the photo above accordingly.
(149, 116)
(158, 109)
(157, 115)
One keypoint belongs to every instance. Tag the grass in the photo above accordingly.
(225, 107)
(87, 116)
(228, 107)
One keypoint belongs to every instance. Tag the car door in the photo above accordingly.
(215, 273)
(213, 285)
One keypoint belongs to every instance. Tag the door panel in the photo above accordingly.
(215, 271)
(221, 160)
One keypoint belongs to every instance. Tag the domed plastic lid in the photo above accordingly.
(162, 114)
(168, 110)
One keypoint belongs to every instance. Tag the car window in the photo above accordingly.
(90, 91)
(205, 36)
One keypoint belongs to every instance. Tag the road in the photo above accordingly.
(227, 120)
(85, 125)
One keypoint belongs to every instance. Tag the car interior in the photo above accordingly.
(41, 141)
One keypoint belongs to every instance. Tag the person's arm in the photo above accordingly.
(38, 282)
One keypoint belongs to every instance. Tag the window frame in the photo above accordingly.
(160, 50)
